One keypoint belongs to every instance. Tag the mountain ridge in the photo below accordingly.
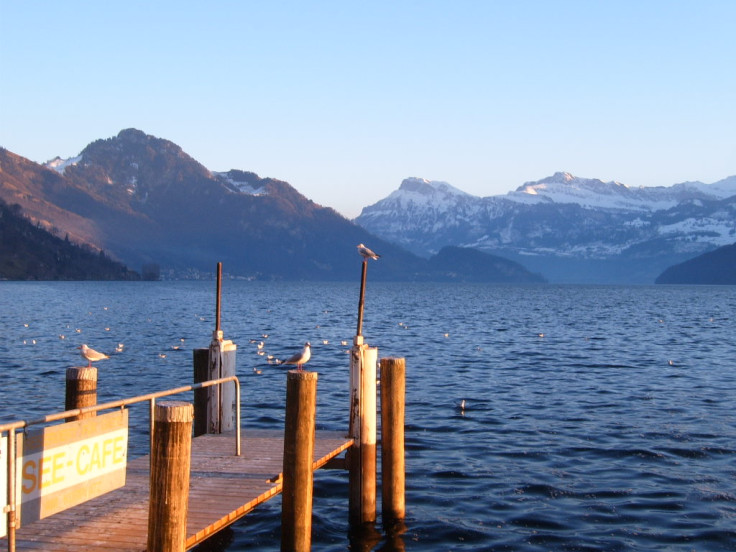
(28, 252)
(717, 267)
(147, 202)
(569, 228)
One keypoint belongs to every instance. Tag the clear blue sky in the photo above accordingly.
(346, 99)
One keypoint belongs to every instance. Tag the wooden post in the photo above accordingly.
(214, 406)
(393, 393)
(201, 359)
(170, 462)
(362, 455)
(81, 390)
(296, 505)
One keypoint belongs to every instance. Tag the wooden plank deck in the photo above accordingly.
(223, 488)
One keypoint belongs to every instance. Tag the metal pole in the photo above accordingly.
(151, 428)
(237, 410)
(219, 290)
(11, 490)
(113, 404)
(362, 298)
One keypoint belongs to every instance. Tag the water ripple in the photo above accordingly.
(538, 417)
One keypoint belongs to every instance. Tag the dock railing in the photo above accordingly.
(12, 427)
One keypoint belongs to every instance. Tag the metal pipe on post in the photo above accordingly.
(299, 435)
(393, 393)
(215, 360)
(12, 505)
(361, 300)
(218, 297)
(81, 390)
(170, 463)
(215, 406)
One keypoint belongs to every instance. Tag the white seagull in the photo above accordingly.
(366, 253)
(300, 359)
(90, 355)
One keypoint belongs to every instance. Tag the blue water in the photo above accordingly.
(596, 418)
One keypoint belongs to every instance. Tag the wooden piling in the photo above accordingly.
(362, 456)
(214, 406)
(81, 390)
(201, 359)
(393, 393)
(299, 433)
(170, 462)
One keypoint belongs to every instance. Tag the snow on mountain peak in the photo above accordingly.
(563, 187)
(560, 177)
(721, 189)
(240, 185)
(564, 180)
(429, 187)
(420, 195)
(59, 165)
(596, 194)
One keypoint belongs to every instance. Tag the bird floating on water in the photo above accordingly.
(367, 253)
(90, 355)
(300, 359)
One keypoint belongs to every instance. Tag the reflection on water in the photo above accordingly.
(538, 417)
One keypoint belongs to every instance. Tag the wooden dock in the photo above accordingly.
(223, 488)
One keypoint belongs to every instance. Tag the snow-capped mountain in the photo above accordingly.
(567, 228)
(593, 193)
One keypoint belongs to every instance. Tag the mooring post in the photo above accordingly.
(170, 462)
(201, 362)
(362, 428)
(215, 405)
(81, 390)
(393, 393)
(299, 431)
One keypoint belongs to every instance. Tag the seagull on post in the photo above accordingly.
(90, 355)
(367, 253)
(300, 359)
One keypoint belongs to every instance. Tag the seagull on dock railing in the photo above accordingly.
(300, 359)
(367, 253)
(90, 355)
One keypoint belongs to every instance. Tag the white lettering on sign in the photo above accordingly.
(54, 469)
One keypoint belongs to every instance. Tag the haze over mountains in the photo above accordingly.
(144, 201)
(567, 228)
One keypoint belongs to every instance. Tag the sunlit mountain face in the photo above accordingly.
(568, 228)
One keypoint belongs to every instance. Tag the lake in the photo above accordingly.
(595, 417)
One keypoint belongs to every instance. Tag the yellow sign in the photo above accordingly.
(64, 465)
